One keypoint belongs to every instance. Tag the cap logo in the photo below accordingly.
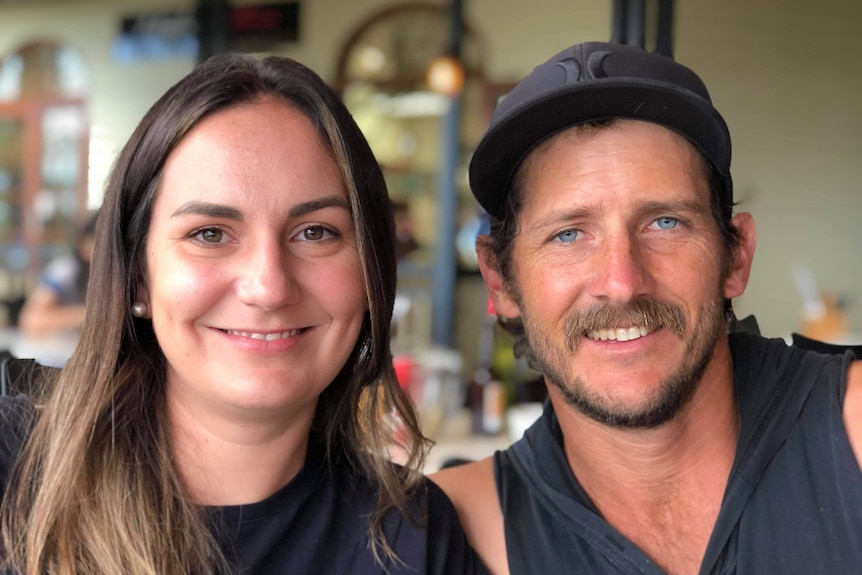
(572, 68)
(595, 67)
(596, 64)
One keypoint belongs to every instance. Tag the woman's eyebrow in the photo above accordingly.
(319, 204)
(210, 209)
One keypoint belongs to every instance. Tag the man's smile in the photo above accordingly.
(618, 334)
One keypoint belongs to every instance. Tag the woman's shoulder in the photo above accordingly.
(320, 523)
(429, 536)
(424, 497)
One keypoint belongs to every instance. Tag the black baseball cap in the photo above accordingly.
(589, 82)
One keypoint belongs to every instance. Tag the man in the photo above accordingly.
(667, 445)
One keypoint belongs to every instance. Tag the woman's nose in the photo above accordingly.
(266, 279)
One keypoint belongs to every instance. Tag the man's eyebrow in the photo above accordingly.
(319, 204)
(565, 215)
(209, 209)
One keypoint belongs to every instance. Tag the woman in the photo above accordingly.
(226, 408)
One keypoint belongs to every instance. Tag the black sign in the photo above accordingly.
(175, 34)
(274, 22)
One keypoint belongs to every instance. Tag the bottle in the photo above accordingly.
(486, 394)
(489, 403)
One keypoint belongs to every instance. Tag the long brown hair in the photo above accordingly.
(95, 490)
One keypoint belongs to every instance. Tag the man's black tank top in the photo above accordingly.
(793, 502)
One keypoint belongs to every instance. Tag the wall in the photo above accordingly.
(786, 77)
(781, 71)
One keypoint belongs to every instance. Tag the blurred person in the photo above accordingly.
(225, 410)
(670, 443)
(57, 304)
(405, 241)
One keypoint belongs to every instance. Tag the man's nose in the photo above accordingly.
(621, 270)
(266, 279)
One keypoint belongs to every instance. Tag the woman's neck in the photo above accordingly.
(227, 460)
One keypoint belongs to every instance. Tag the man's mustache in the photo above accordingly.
(642, 312)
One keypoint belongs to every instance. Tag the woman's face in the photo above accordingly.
(254, 280)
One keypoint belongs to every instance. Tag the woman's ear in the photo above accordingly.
(743, 256)
(494, 281)
(141, 302)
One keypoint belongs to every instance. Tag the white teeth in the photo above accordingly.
(264, 336)
(621, 334)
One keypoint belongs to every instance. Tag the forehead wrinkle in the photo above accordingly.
(675, 206)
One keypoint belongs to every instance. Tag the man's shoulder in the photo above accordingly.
(472, 489)
(467, 481)
(769, 370)
(853, 408)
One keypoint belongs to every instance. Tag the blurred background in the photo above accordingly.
(421, 79)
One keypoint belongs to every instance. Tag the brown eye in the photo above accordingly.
(316, 234)
(210, 235)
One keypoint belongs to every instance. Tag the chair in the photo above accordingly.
(747, 325)
(23, 376)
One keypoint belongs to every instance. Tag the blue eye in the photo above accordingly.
(568, 236)
(666, 222)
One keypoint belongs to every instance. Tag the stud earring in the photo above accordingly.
(139, 309)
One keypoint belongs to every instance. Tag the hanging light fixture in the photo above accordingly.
(445, 75)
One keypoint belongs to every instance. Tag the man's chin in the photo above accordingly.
(631, 413)
(633, 418)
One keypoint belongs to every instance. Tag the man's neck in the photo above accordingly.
(663, 487)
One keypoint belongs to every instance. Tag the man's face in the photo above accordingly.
(617, 271)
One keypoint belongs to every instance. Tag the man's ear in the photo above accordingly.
(743, 256)
(503, 303)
